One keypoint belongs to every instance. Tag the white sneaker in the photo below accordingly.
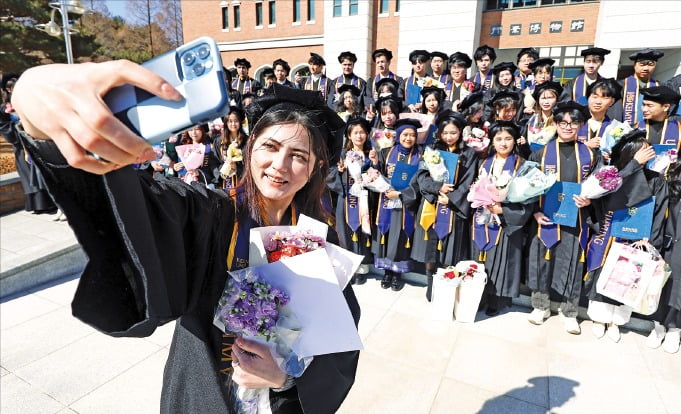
(613, 332)
(537, 316)
(571, 325)
(656, 336)
(598, 329)
(362, 269)
(671, 341)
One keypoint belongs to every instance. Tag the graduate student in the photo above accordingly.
(542, 71)
(438, 66)
(348, 104)
(575, 89)
(645, 62)
(658, 103)
(540, 127)
(395, 226)
(442, 235)
(243, 82)
(317, 81)
(134, 280)
(458, 87)
(523, 76)
(557, 252)
(382, 59)
(601, 96)
(414, 83)
(348, 77)
(484, 60)
(281, 71)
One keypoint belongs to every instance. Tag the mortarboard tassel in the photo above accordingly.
(439, 245)
(382, 238)
(354, 237)
(582, 258)
(368, 243)
(407, 245)
(547, 256)
(425, 236)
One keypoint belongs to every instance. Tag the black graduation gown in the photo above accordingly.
(338, 183)
(331, 100)
(395, 253)
(156, 252)
(638, 184)
(669, 310)
(504, 261)
(564, 270)
(455, 246)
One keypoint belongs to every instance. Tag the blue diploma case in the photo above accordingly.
(559, 206)
(659, 150)
(402, 175)
(413, 94)
(634, 223)
(451, 161)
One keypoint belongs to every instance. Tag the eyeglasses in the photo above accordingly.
(566, 125)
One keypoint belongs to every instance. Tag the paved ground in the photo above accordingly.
(52, 363)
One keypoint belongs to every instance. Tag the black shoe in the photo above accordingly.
(397, 283)
(387, 280)
(359, 279)
(490, 311)
(429, 288)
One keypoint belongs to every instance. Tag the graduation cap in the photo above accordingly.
(614, 88)
(505, 94)
(461, 59)
(646, 54)
(419, 54)
(388, 98)
(528, 51)
(242, 62)
(347, 87)
(387, 81)
(509, 66)
(268, 73)
(316, 59)
(595, 51)
(404, 123)
(547, 86)
(433, 89)
(441, 55)
(541, 62)
(449, 115)
(357, 121)
(283, 98)
(347, 55)
(660, 94)
(568, 106)
(468, 101)
(382, 52)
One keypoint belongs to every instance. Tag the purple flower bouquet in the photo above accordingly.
(604, 181)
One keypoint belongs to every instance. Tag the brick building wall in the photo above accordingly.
(386, 30)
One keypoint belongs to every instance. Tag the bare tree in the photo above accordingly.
(143, 13)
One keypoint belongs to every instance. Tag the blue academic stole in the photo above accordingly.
(584, 134)
(579, 89)
(550, 235)
(521, 81)
(378, 77)
(632, 100)
(487, 83)
(486, 236)
(444, 216)
(412, 91)
(321, 87)
(352, 216)
(444, 78)
(670, 135)
(384, 213)
(340, 81)
(246, 83)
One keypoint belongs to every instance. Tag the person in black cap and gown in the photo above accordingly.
(244, 83)
(382, 59)
(135, 280)
(415, 82)
(281, 71)
(347, 61)
(458, 87)
(484, 59)
(645, 62)
(523, 76)
(438, 66)
(658, 104)
(575, 89)
(601, 96)
(317, 81)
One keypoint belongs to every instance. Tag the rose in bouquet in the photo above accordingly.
(382, 138)
(469, 270)
(191, 156)
(373, 180)
(613, 133)
(529, 183)
(428, 82)
(253, 309)
(435, 164)
(353, 162)
(285, 244)
(539, 134)
(606, 180)
(486, 191)
(476, 138)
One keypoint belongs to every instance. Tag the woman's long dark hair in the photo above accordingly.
(499, 126)
(626, 148)
(205, 138)
(308, 200)
(222, 142)
(460, 144)
(348, 142)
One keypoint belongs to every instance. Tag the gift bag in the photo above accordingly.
(468, 298)
(443, 296)
(626, 274)
(651, 298)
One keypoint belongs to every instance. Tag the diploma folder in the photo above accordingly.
(634, 223)
(402, 175)
(451, 161)
(559, 206)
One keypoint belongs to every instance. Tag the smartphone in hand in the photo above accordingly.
(195, 70)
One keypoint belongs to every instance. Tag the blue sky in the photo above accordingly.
(116, 7)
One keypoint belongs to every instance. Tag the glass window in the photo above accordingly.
(496, 4)
(258, 14)
(273, 12)
(354, 7)
(296, 10)
(237, 17)
(383, 7)
(225, 18)
(310, 10)
(337, 8)
(397, 6)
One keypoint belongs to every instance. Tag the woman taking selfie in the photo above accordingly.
(135, 280)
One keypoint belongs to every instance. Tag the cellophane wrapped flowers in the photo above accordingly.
(353, 162)
(284, 244)
(604, 181)
(435, 164)
(476, 138)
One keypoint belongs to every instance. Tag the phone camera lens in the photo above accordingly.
(203, 51)
(198, 69)
(188, 58)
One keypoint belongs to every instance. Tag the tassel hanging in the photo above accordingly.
(582, 258)
(407, 245)
(439, 245)
(480, 258)
(382, 238)
(547, 256)
(354, 237)
(425, 236)
(368, 243)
